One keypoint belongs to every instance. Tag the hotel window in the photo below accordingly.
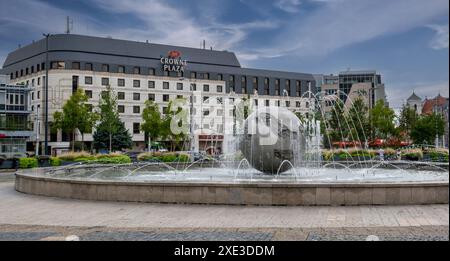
(266, 86)
(287, 87)
(180, 97)
(121, 96)
(180, 86)
(307, 104)
(88, 66)
(137, 70)
(120, 109)
(136, 96)
(32, 69)
(205, 99)
(267, 102)
(136, 109)
(136, 83)
(277, 87)
(74, 83)
(206, 112)
(17, 74)
(151, 97)
(11, 76)
(151, 84)
(166, 97)
(244, 84)
(180, 74)
(277, 103)
(165, 110)
(89, 107)
(151, 71)
(255, 84)
(206, 88)
(136, 127)
(105, 68)
(43, 66)
(38, 67)
(206, 76)
(219, 100)
(39, 81)
(219, 88)
(58, 65)
(193, 75)
(165, 85)
(297, 104)
(38, 95)
(32, 96)
(88, 93)
(256, 102)
(288, 103)
(32, 82)
(220, 77)
(298, 87)
(231, 82)
(121, 69)
(193, 87)
(121, 82)
(76, 66)
(166, 73)
(219, 112)
(105, 81)
(88, 80)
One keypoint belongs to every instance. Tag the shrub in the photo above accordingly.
(163, 157)
(27, 163)
(412, 154)
(55, 161)
(74, 156)
(437, 154)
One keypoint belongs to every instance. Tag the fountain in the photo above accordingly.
(281, 165)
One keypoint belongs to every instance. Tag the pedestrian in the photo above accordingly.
(381, 154)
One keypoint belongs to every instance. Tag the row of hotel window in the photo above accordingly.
(137, 70)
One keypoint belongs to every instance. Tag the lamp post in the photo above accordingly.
(47, 36)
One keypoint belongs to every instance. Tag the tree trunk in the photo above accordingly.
(73, 141)
(110, 143)
(82, 141)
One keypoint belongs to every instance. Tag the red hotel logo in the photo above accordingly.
(174, 54)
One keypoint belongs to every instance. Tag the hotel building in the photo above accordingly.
(140, 71)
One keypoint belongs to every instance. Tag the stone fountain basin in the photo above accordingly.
(236, 193)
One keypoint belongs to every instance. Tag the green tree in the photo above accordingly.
(76, 115)
(358, 119)
(175, 122)
(110, 131)
(382, 121)
(426, 128)
(407, 120)
(152, 122)
(337, 122)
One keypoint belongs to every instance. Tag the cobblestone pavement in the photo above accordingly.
(29, 217)
(60, 233)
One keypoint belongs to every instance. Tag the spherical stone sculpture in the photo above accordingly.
(273, 141)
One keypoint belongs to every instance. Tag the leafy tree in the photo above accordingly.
(426, 128)
(76, 115)
(358, 120)
(408, 119)
(152, 122)
(382, 121)
(337, 123)
(175, 121)
(110, 131)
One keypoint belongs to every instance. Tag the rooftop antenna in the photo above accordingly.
(69, 25)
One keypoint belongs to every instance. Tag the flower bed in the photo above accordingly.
(164, 157)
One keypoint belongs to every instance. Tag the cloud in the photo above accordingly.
(440, 39)
(290, 6)
(345, 22)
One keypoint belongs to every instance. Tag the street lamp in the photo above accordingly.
(47, 36)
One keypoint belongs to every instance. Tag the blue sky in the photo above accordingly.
(405, 40)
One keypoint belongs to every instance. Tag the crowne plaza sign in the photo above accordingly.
(173, 62)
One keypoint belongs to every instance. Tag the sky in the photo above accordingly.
(406, 41)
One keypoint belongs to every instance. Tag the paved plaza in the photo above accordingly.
(28, 217)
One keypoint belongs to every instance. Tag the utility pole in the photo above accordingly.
(47, 36)
(37, 124)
